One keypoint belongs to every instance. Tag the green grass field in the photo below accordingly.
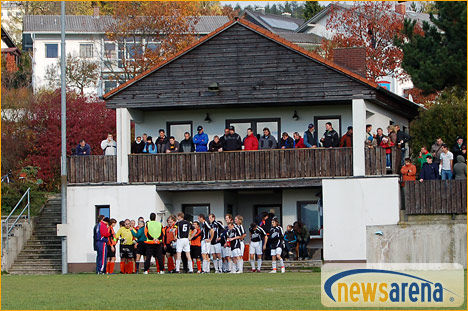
(133, 292)
(209, 291)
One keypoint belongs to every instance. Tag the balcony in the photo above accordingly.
(307, 166)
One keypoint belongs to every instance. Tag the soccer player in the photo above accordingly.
(124, 234)
(111, 248)
(195, 245)
(257, 236)
(139, 234)
(276, 239)
(238, 224)
(170, 234)
(215, 247)
(205, 243)
(154, 236)
(225, 251)
(233, 240)
(183, 243)
(101, 235)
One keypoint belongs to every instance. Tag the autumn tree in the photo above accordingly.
(148, 33)
(80, 73)
(87, 118)
(372, 25)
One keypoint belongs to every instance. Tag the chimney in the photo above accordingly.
(96, 11)
(353, 59)
(400, 8)
(286, 14)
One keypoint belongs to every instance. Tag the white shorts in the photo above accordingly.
(276, 251)
(215, 249)
(225, 252)
(236, 252)
(255, 248)
(205, 247)
(182, 245)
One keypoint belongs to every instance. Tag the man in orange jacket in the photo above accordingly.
(408, 171)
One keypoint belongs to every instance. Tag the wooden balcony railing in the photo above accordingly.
(240, 165)
(92, 169)
(376, 162)
(435, 197)
(235, 165)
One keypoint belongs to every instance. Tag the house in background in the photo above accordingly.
(9, 48)
(85, 39)
(260, 80)
(285, 26)
(318, 25)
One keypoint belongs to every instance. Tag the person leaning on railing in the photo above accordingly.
(83, 148)
(267, 141)
(187, 145)
(150, 146)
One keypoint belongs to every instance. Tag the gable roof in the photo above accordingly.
(271, 36)
(7, 39)
(99, 24)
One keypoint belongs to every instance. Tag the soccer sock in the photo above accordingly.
(122, 267)
(157, 266)
(137, 264)
(162, 268)
(259, 264)
(107, 267)
(111, 269)
(252, 263)
(273, 265)
(281, 262)
(230, 265)
(241, 265)
(177, 265)
(204, 265)
(218, 265)
(190, 266)
(198, 265)
(170, 264)
(130, 267)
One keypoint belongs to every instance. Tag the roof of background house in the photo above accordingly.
(295, 37)
(7, 39)
(92, 24)
(419, 17)
(274, 23)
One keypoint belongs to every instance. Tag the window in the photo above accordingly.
(51, 50)
(103, 210)
(109, 85)
(134, 50)
(153, 46)
(191, 211)
(270, 208)
(109, 51)
(177, 129)
(309, 213)
(86, 50)
(257, 126)
(320, 125)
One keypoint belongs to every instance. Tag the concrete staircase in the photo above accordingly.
(42, 253)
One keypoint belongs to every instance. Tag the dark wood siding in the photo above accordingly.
(92, 169)
(435, 197)
(249, 68)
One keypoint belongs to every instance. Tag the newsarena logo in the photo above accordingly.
(393, 285)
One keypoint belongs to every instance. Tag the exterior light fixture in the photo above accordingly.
(207, 118)
(295, 116)
(213, 87)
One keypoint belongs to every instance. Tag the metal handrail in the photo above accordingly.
(10, 228)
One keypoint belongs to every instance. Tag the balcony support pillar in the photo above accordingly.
(123, 143)
(359, 136)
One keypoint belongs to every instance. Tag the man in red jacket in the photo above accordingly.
(298, 141)
(250, 141)
(347, 139)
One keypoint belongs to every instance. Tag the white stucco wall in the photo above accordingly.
(214, 198)
(380, 117)
(351, 204)
(40, 63)
(125, 202)
(152, 121)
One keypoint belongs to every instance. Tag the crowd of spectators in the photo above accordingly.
(438, 163)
